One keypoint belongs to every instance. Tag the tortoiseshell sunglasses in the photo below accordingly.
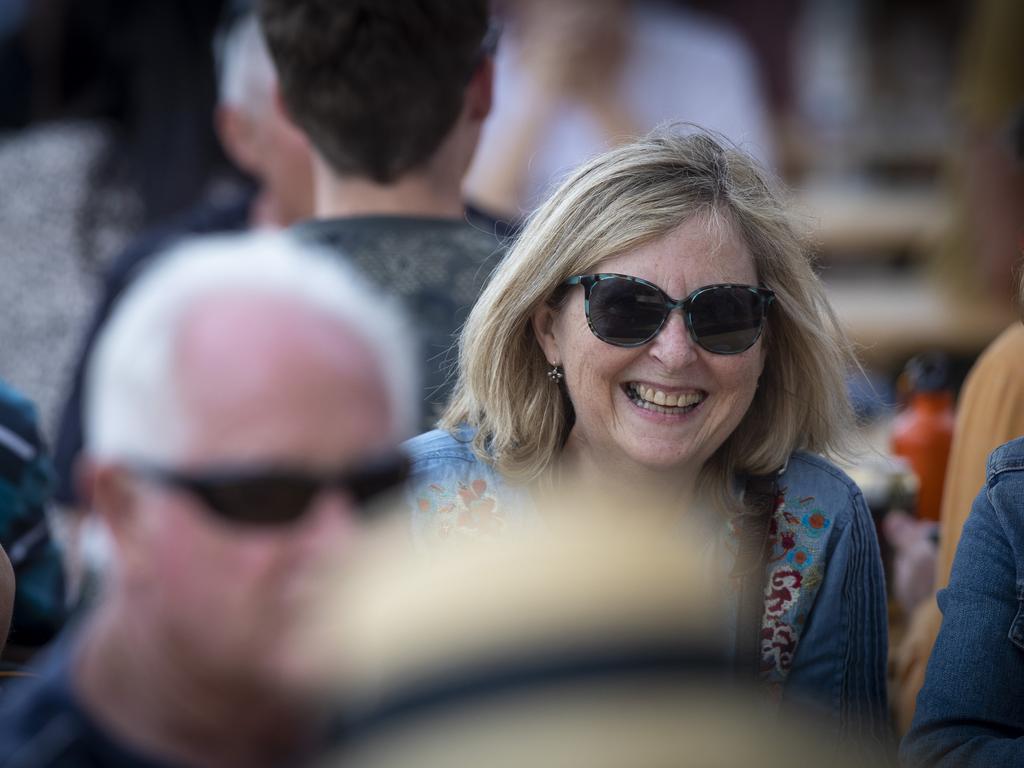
(627, 311)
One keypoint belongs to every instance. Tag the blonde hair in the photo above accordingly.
(617, 202)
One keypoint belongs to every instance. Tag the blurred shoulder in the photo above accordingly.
(998, 370)
(453, 495)
(1007, 458)
(443, 458)
(1006, 350)
(440, 446)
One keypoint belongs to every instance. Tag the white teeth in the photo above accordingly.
(659, 398)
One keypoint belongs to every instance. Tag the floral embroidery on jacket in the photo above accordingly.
(796, 549)
(475, 506)
(823, 565)
(467, 511)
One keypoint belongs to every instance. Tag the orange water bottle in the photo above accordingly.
(923, 430)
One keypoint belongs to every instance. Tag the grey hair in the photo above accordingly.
(245, 72)
(132, 409)
(618, 201)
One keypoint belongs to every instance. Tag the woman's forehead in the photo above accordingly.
(694, 250)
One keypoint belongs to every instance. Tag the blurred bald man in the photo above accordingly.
(244, 405)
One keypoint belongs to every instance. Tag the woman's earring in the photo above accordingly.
(556, 374)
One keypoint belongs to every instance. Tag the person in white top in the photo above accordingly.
(575, 77)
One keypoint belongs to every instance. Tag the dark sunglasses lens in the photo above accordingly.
(269, 500)
(726, 319)
(625, 312)
(381, 477)
(282, 497)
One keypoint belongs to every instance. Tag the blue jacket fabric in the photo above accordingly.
(824, 628)
(970, 711)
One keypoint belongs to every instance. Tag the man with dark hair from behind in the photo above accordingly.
(392, 96)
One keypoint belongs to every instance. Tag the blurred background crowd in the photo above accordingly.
(890, 120)
(125, 124)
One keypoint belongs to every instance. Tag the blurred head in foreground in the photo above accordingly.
(244, 402)
(592, 642)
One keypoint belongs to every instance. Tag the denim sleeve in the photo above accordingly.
(840, 665)
(970, 711)
(453, 496)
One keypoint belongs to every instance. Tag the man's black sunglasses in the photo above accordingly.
(276, 495)
(628, 311)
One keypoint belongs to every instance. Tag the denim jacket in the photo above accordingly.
(970, 711)
(824, 631)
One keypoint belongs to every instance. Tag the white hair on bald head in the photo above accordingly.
(132, 407)
(246, 74)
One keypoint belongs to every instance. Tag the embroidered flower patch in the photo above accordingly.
(467, 511)
(797, 540)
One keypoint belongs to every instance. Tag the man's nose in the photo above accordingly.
(331, 522)
(673, 346)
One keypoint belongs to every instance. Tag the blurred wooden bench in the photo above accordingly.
(853, 223)
(891, 317)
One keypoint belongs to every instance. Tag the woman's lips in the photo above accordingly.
(652, 398)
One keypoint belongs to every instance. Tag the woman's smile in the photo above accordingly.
(653, 399)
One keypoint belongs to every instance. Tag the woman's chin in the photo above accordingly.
(656, 457)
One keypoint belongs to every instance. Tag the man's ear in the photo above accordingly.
(480, 91)
(113, 497)
(543, 324)
(281, 108)
(237, 132)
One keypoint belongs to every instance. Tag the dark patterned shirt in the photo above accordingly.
(437, 267)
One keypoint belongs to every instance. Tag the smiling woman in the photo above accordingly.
(657, 332)
(626, 392)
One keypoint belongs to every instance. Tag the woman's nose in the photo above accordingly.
(673, 346)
